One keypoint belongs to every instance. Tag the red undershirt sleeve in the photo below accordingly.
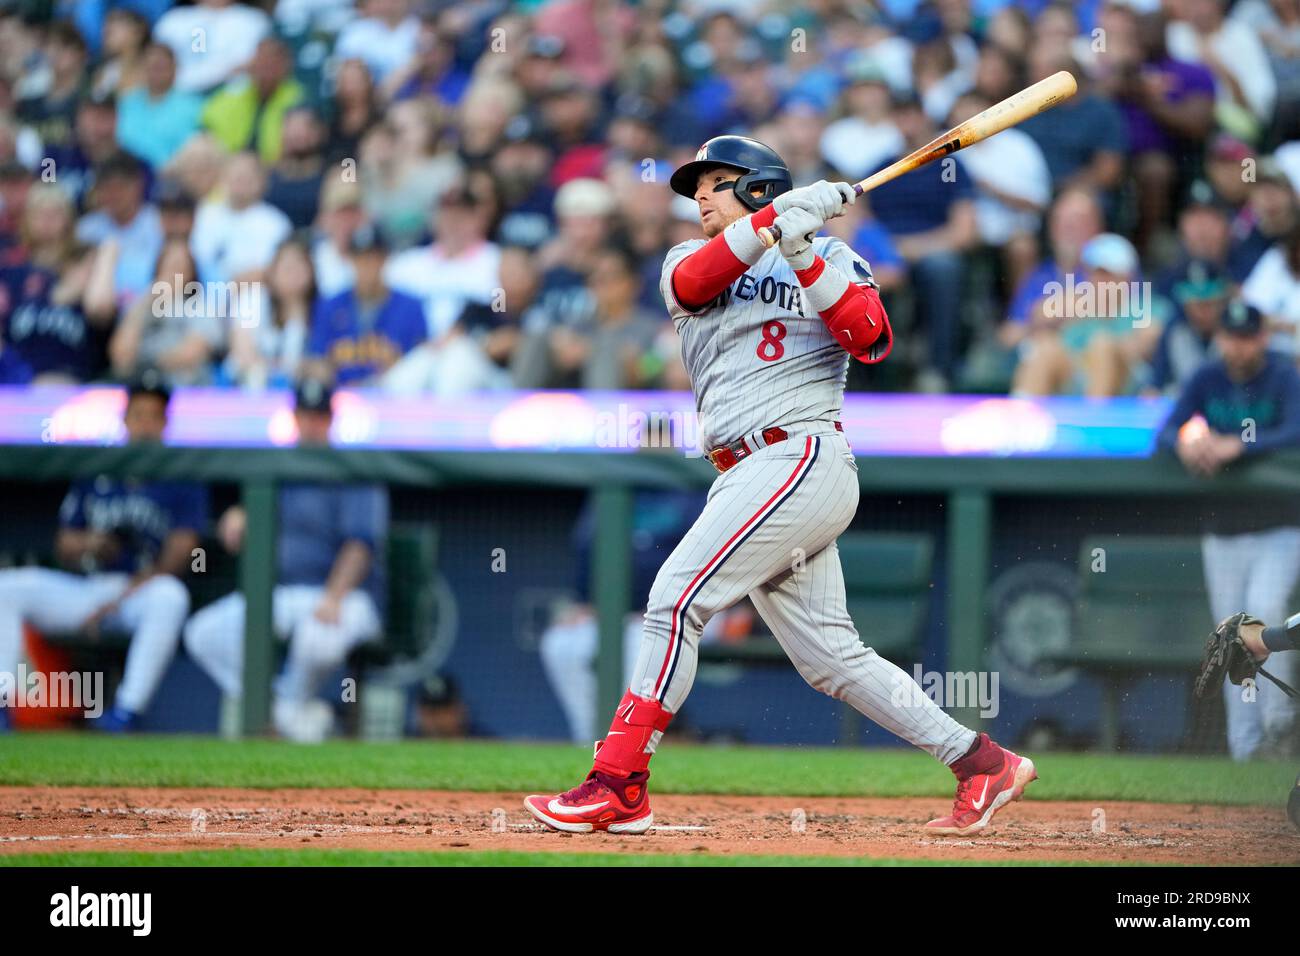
(702, 275)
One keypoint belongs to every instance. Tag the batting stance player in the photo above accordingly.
(766, 337)
(126, 544)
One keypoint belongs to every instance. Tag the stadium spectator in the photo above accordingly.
(361, 333)
(520, 167)
(213, 40)
(339, 216)
(930, 215)
(405, 172)
(74, 164)
(999, 72)
(176, 209)
(432, 71)
(154, 118)
(1083, 139)
(198, 166)
(1243, 405)
(584, 209)
(122, 63)
(1090, 337)
(271, 351)
(494, 325)
(174, 326)
(1167, 104)
(1247, 90)
(1226, 162)
(122, 216)
(41, 293)
(1273, 212)
(1009, 31)
(865, 136)
(1273, 287)
(125, 546)
(1074, 219)
(460, 266)
(329, 584)
(235, 237)
(1188, 340)
(1204, 232)
(1277, 25)
(355, 111)
(294, 183)
(619, 352)
(94, 18)
(248, 112)
(49, 105)
(385, 37)
(593, 35)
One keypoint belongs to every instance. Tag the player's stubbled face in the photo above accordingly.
(719, 207)
(145, 418)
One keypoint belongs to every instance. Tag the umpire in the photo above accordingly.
(1248, 401)
(329, 587)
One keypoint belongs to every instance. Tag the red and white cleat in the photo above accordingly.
(988, 779)
(601, 802)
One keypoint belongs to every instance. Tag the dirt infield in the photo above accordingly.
(60, 819)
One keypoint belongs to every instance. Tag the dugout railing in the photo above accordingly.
(968, 486)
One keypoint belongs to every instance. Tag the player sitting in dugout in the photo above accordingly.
(125, 545)
(329, 586)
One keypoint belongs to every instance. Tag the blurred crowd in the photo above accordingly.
(440, 198)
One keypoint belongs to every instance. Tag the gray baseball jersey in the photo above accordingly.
(758, 355)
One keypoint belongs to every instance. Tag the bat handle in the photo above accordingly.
(771, 235)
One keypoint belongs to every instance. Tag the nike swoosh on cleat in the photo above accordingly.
(979, 804)
(556, 807)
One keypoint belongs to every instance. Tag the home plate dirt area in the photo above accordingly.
(69, 819)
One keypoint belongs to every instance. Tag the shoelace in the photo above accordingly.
(588, 788)
(963, 788)
(963, 801)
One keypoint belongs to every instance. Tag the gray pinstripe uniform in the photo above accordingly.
(769, 526)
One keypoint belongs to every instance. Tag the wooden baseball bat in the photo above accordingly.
(1016, 108)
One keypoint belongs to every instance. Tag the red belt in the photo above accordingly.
(728, 456)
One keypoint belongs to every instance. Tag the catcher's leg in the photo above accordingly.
(1227, 572)
(1276, 567)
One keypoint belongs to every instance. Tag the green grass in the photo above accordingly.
(468, 858)
(70, 759)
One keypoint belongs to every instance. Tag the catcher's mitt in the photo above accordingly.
(1226, 653)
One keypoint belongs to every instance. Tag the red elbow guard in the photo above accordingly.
(856, 318)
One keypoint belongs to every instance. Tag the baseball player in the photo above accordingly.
(1236, 651)
(766, 338)
(1248, 400)
(329, 589)
(126, 545)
